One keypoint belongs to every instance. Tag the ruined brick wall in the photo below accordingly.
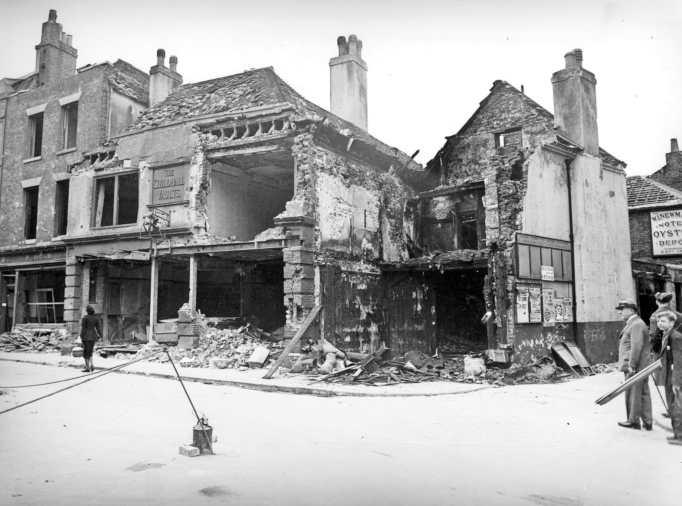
(671, 173)
(640, 238)
(92, 121)
(465, 155)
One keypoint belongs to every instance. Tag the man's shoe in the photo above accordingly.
(85, 370)
(671, 438)
(675, 442)
(665, 415)
(630, 425)
(648, 426)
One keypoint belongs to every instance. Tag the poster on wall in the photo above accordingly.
(547, 272)
(559, 310)
(522, 305)
(548, 307)
(535, 304)
(568, 309)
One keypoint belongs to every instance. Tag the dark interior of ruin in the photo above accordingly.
(460, 306)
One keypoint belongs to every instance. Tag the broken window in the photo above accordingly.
(30, 212)
(508, 138)
(468, 230)
(116, 200)
(61, 208)
(35, 143)
(69, 125)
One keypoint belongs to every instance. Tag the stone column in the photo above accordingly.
(73, 303)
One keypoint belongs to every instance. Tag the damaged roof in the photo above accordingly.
(250, 89)
(529, 112)
(130, 81)
(645, 193)
(18, 84)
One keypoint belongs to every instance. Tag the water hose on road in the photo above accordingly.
(111, 369)
(98, 375)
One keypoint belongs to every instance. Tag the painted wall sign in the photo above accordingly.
(666, 232)
(545, 242)
(547, 272)
(169, 185)
(33, 257)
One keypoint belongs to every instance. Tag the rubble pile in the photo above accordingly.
(230, 348)
(33, 341)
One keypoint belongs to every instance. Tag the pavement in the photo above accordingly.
(253, 378)
(283, 382)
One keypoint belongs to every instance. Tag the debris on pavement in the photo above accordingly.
(33, 340)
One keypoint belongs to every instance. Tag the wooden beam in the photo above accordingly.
(311, 317)
(153, 294)
(193, 284)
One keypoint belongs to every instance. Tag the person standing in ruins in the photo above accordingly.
(655, 337)
(634, 354)
(91, 332)
(671, 353)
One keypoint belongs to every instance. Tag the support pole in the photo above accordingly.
(153, 293)
(193, 285)
(210, 446)
(17, 288)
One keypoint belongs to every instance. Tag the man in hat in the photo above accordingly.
(655, 338)
(634, 354)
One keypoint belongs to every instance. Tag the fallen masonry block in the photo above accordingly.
(258, 357)
(189, 451)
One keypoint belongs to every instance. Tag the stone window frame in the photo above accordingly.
(68, 104)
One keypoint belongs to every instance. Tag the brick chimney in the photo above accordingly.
(55, 56)
(162, 80)
(575, 103)
(349, 82)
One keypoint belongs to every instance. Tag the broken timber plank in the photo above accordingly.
(311, 317)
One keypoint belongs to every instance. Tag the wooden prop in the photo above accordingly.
(640, 376)
(311, 317)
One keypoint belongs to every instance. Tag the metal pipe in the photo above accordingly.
(572, 241)
(210, 446)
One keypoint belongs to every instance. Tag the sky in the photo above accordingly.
(430, 61)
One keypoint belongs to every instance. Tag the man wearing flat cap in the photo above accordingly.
(656, 337)
(634, 354)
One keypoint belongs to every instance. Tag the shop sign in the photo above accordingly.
(169, 185)
(666, 232)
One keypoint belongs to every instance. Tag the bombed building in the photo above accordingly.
(525, 221)
(238, 198)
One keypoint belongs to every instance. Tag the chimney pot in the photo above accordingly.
(570, 59)
(62, 37)
(173, 63)
(674, 148)
(359, 48)
(53, 16)
(578, 57)
(160, 57)
(69, 40)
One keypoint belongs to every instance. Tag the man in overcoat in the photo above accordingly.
(655, 337)
(634, 354)
(671, 355)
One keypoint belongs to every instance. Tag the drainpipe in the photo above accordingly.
(572, 241)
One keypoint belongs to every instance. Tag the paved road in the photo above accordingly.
(115, 441)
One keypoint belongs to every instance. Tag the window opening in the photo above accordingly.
(469, 230)
(116, 200)
(69, 125)
(36, 135)
(30, 212)
(61, 211)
